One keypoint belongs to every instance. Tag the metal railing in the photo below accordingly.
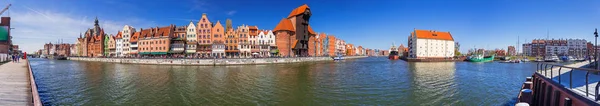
(542, 68)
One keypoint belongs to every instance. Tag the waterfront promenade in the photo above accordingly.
(211, 62)
(579, 84)
(15, 86)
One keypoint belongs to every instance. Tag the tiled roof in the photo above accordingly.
(311, 31)
(431, 34)
(298, 10)
(284, 25)
(119, 36)
(164, 31)
(134, 37)
(144, 33)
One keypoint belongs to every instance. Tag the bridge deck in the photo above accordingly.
(15, 89)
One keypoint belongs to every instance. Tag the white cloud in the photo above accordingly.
(35, 27)
(231, 12)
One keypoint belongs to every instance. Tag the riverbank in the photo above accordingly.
(210, 62)
(17, 86)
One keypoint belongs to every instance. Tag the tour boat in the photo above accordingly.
(481, 58)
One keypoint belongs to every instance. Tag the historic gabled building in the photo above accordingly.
(155, 41)
(178, 41)
(106, 50)
(205, 36)
(191, 39)
(243, 44)
(94, 40)
(253, 35)
(127, 35)
(218, 40)
(293, 33)
(119, 44)
(231, 41)
(133, 41)
(269, 39)
(111, 45)
(80, 46)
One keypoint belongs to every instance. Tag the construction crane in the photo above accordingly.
(4, 10)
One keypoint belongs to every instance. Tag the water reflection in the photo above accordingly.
(366, 81)
(433, 81)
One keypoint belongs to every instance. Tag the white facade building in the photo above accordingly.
(558, 50)
(191, 41)
(119, 45)
(577, 47)
(425, 44)
(126, 36)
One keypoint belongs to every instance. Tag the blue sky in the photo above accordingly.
(373, 24)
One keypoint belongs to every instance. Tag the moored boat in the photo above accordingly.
(393, 53)
(551, 58)
(481, 58)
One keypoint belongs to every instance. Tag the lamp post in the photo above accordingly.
(596, 47)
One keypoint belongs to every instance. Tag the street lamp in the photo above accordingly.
(596, 47)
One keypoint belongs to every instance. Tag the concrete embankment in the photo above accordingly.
(210, 62)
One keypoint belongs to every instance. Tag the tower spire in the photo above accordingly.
(96, 21)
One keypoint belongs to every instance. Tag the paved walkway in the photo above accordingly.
(578, 78)
(15, 89)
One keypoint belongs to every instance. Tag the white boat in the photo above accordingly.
(338, 57)
(524, 60)
(551, 58)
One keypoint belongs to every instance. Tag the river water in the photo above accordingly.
(366, 81)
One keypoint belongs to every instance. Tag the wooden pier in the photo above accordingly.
(16, 85)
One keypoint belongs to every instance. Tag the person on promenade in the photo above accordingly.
(12, 57)
(17, 57)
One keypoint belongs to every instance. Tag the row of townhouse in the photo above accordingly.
(292, 37)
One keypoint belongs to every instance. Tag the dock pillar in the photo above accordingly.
(526, 96)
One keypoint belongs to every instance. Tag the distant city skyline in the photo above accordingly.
(480, 24)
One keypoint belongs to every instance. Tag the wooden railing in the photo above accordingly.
(34, 92)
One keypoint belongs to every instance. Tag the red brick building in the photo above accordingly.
(512, 51)
(94, 40)
(294, 32)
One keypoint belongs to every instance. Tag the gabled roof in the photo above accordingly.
(284, 25)
(299, 10)
(134, 37)
(119, 35)
(431, 34)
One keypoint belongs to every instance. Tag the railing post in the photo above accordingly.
(571, 79)
(596, 93)
(587, 74)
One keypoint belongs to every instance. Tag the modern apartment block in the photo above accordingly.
(559, 47)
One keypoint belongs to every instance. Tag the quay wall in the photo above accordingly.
(210, 62)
